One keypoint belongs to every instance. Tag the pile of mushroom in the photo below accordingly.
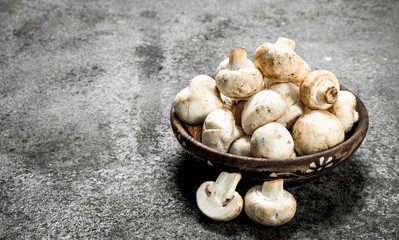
(274, 107)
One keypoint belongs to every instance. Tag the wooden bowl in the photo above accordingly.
(296, 169)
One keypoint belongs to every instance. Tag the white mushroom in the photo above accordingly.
(269, 204)
(241, 147)
(218, 130)
(279, 63)
(238, 133)
(218, 200)
(264, 107)
(319, 90)
(316, 131)
(291, 115)
(239, 81)
(195, 102)
(345, 109)
(289, 92)
(295, 107)
(272, 140)
(225, 64)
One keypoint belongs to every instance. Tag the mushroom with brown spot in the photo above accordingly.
(295, 107)
(345, 110)
(239, 81)
(319, 90)
(219, 130)
(241, 146)
(316, 131)
(279, 63)
(273, 141)
(264, 107)
(269, 204)
(193, 104)
(218, 200)
(225, 64)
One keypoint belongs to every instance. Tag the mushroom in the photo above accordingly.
(295, 107)
(291, 115)
(279, 63)
(319, 90)
(238, 133)
(195, 102)
(218, 130)
(264, 107)
(269, 204)
(225, 64)
(289, 92)
(316, 131)
(239, 81)
(345, 110)
(241, 147)
(272, 140)
(218, 200)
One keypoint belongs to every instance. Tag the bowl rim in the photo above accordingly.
(359, 131)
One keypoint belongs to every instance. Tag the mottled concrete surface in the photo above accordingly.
(86, 148)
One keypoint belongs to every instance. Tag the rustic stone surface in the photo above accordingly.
(86, 148)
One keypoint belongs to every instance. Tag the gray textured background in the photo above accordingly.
(86, 148)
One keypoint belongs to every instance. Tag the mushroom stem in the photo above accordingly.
(224, 186)
(328, 94)
(218, 199)
(273, 189)
(285, 42)
(237, 59)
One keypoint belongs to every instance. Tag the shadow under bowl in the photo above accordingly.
(297, 169)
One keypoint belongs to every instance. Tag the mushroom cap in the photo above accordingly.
(291, 115)
(279, 63)
(218, 130)
(295, 107)
(319, 90)
(264, 107)
(238, 133)
(218, 200)
(239, 84)
(194, 103)
(269, 211)
(241, 147)
(289, 92)
(225, 64)
(272, 140)
(345, 109)
(239, 80)
(316, 131)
